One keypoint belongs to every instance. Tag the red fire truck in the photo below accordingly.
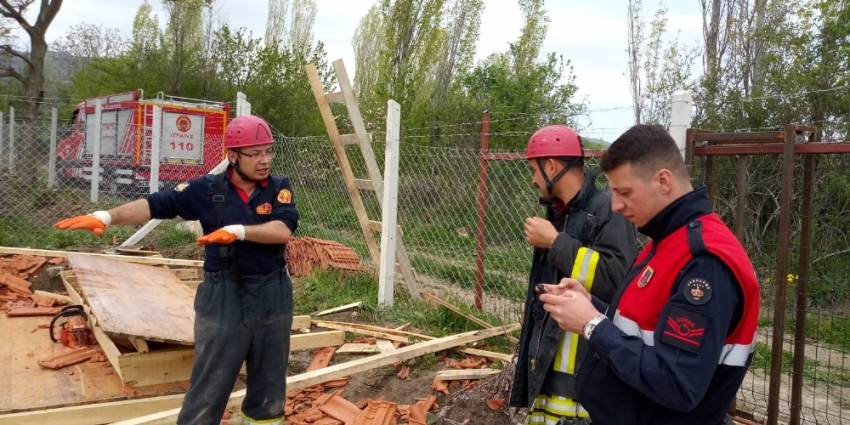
(191, 141)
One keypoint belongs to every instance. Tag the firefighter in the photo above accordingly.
(580, 238)
(675, 344)
(243, 307)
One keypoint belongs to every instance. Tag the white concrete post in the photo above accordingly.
(51, 167)
(389, 211)
(95, 159)
(680, 118)
(156, 137)
(240, 103)
(11, 140)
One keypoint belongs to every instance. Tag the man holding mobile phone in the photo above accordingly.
(580, 238)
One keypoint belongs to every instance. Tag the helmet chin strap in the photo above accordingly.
(239, 171)
(551, 183)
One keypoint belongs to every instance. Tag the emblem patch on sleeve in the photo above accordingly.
(264, 209)
(684, 329)
(284, 196)
(697, 291)
(181, 186)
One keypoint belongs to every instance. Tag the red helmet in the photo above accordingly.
(247, 130)
(554, 141)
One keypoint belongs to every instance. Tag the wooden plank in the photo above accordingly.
(342, 160)
(133, 300)
(100, 413)
(357, 348)
(372, 167)
(157, 367)
(140, 344)
(59, 297)
(464, 374)
(366, 332)
(472, 318)
(125, 258)
(316, 340)
(304, 380)
(399, 331)
(384, 345)
(186, 274)
(301, 322)
(340, 308)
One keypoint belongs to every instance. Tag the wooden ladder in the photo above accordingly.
(375, 182)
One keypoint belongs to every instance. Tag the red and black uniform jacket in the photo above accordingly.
(681, 334)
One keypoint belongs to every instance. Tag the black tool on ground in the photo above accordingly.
(75, 331)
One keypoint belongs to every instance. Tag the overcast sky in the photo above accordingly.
(592, 34)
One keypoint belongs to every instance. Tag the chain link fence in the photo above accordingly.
(47, 170)
(438, 211)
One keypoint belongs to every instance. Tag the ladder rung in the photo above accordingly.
(349, 139)
(377, 226)
(364, 184)
(337, 97)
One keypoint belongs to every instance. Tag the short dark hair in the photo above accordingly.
(648, 148)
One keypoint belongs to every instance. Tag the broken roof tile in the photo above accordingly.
(321, 358)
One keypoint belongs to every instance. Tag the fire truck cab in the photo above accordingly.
(191, 141)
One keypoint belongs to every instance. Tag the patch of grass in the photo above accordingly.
(813, 371)
(171, 236)
(24, 233)
(322, 290)
(464, 277)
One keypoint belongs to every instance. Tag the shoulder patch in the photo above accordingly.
(684, 329)
(180, 187)
(284, 196)
(697, 291)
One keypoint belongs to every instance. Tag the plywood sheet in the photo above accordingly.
(27, 386)
(136, 300)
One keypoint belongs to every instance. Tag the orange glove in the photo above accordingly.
(95, 222)
(225, 235)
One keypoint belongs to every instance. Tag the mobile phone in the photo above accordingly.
(542, 289)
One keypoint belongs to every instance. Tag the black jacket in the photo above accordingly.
(588, 222)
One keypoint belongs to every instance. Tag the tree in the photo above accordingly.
(183, 39)
(656, 69)
(84, 42)
(300, 38)
(462, 25)
(368, 46)
(33, 78)
(276, 21)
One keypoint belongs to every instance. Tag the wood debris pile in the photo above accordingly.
(305, 254)
(16, 297)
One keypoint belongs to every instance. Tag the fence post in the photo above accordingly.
(680, 118)
(11, 140)
(95, 160)
(784, 247)
(51, 167)
(482, 210)
(1, 139)
(156, 136)
(389, 212)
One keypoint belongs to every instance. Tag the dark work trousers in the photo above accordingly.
(249, 321)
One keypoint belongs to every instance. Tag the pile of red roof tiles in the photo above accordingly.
(305, 254)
